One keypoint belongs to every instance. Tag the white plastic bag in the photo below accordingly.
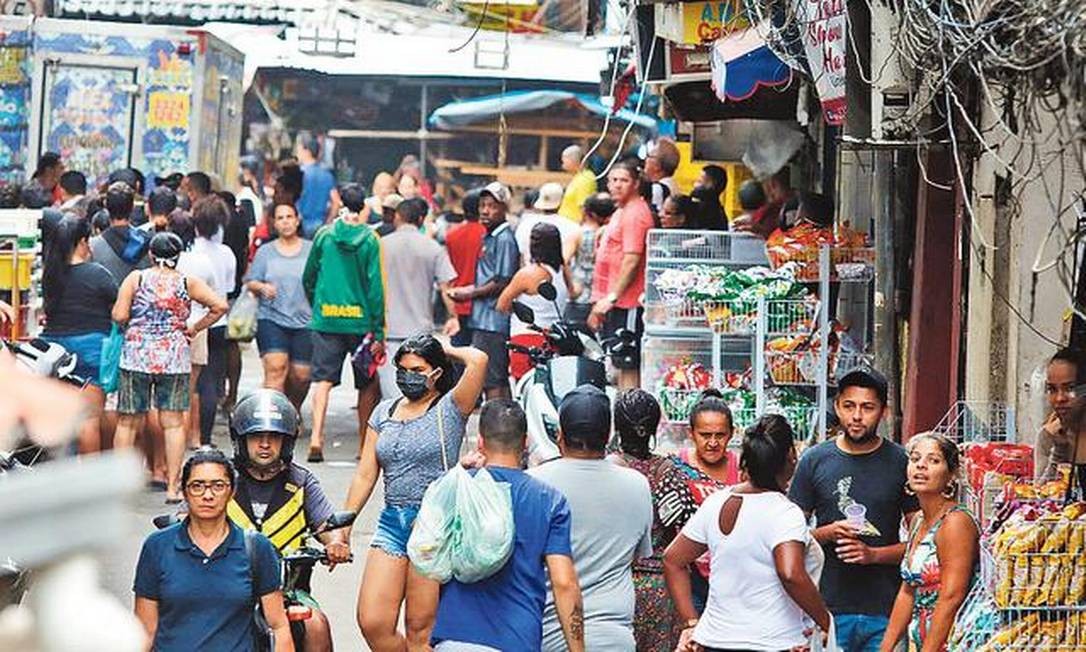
(464, 528)
(429, 546)
(485, 511)
(241, 322)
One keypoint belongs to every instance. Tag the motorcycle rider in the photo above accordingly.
(277, 497)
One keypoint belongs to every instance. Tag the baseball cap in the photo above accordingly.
(585, 416)
(392, 200)
(550, 197)
(865, 376)
(496, 190)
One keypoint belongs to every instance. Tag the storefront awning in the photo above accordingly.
(480, 109)
(742, 64)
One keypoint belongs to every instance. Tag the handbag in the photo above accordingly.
(109, 371)
(363, 360)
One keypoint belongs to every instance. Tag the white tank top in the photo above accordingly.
(545, 311)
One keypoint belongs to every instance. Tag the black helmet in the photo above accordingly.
(166, 248)
(264, 410)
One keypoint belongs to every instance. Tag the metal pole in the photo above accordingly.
(885, 186)
(423, 111)
(824, 345)
(759, 359)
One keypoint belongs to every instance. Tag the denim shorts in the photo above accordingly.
(297, 343)
(87, 348)
(394, 529)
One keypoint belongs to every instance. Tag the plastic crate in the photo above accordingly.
(846, 264)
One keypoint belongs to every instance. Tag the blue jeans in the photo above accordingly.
(87, 348)
(394, 529)
(860, 632)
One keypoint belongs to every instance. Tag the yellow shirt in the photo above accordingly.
(580, 188)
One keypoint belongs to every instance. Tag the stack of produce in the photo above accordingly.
(1038, 555)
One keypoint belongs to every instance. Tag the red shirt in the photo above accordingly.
(625, 234)
(464, 242)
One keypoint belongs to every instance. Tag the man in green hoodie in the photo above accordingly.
(343, 281)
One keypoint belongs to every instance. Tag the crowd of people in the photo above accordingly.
(617, 546)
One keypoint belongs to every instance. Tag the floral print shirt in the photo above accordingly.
(155, 340)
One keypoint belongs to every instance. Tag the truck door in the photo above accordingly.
(88, 114)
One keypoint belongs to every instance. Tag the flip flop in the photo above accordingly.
(156, 485)
(316, 456)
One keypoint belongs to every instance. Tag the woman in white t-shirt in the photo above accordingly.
(761, 597)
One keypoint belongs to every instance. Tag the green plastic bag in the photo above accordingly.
(484, 539)
(109, 371)
(430, 545)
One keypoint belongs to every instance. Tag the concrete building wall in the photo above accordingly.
(1005, 357)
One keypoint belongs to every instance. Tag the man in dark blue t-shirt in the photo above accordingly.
(854, 484)
(505, 611)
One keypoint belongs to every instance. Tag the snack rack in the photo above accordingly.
(977, 421)
(1031, 593)
(731, 336)
(18, 258)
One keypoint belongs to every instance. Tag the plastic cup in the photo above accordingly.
(856, 515)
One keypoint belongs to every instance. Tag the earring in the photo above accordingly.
(951, 490)
(909, 490)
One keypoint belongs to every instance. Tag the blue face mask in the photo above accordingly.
(413, 385)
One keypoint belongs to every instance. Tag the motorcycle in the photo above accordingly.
(570, 357)
(297, 571)
(49, 360)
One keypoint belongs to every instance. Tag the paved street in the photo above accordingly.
(336, 591)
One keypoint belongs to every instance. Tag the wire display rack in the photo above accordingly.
(970, 421)
(740, 317)
(847, 265)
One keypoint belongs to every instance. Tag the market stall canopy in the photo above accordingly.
(742, 63)
(482, 109)
(195, 11)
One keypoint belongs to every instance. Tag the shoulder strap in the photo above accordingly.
(441, 436)
(250, 552)
(392, 408)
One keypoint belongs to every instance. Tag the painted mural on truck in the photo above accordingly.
(14, 104)
(99, 138)
(221, 103)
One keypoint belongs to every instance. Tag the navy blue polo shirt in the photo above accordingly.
(205, 602)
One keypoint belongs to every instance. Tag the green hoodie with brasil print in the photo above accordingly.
(343, 280)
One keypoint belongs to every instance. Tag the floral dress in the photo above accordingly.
(920, 570)
(155, 342)
(656, 623)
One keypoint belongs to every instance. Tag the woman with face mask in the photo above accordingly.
(412, 441)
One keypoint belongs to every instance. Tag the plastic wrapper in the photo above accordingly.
(1077, 592)
(1056, 538)
(1032, 590)
(241, 322)
(1049, 572)
(485, 534)
(1061, 584)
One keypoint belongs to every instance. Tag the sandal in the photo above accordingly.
(156, 485)
(316, 456)
(173, 501)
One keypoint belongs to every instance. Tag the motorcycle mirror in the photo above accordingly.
(339, 520)
(163, 521)
(626, 335)
(547, 291)
(523, 312)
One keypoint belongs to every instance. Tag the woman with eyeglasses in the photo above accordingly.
(637, 416)
(198, 581)
(701, 471)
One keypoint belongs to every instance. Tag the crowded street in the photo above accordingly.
(542, 326)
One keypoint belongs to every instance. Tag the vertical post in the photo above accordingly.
(16, 292)
(423, 111)
(544, 151)
(716, 354)
(824, 330)
(759, 359)
(885, 190)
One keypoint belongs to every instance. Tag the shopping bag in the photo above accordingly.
(484, 539)
(241, 322)
(430, 545)
(109, 371)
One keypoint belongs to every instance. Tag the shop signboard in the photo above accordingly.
(698, 23)
(825, 40)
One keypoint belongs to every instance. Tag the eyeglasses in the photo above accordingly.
(200, 487)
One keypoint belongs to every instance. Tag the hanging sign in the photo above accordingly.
(825, 40)
(698, 23)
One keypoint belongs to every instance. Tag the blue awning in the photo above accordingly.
(467, 112)
(742, 64)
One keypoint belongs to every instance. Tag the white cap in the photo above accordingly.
(499, 192)
(392, 200)
(550, 197)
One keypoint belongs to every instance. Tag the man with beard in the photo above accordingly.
(857, 477)
(277, 497)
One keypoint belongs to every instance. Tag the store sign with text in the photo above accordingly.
(698, 23)
(824, 25)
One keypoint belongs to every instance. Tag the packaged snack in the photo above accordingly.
(1050, 575)
(1036, 580)
(1057, 529)
(1077, 593)
(1076, 538)
(1062, 583)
